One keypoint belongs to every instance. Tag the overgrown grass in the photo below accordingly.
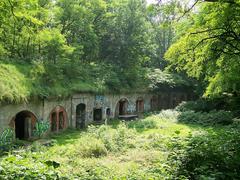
(14, 86)
(20, 82)
(156, 147)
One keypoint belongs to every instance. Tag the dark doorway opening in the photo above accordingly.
(54, 122)
(108, 112)
(121, 107)
(123, 104)
(61, 120)
(24, 124)
(139, 105)
(80, 116)
(97, 114)
(154, 103)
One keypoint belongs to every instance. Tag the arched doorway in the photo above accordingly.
(24, 123)
(154, 103)
(108, 113)
(80, 115)
(121, 107)
(139, 105)
(58, 119)
(97, 114)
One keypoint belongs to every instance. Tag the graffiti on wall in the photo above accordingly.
(6, 137)
(41, 127)
(131, 107)
(100, 101)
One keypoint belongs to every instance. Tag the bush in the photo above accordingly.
(118, 139)
(207, 105)
(143, 124)
(169, 115)
(26, 166)
(87, 147)
(91, 147)
(201, 105)
(212, 118)
(213, 155)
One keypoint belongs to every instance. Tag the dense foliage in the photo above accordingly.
(55, 48)
(209, 155)
(159, 81)
(208, 46)
(97, 46)
(204, 118)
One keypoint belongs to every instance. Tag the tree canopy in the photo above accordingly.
(117, 46)
(209, 46)
(57, 47)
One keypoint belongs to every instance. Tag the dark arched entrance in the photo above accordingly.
(80, 115)
(24, 123)
(97, 114)
(121, 107)
(139, 105)
(154, 103)
(108, 113)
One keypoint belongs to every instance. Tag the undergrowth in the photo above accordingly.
(156, 147)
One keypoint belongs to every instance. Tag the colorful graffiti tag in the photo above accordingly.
(99, 100)
(6, 137)
(41, 128)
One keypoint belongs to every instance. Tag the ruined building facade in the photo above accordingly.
(81, 110)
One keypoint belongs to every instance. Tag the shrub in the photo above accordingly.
(26, 166)
(207, 105)
(213, 155)
(199, 105)
(87, 147)
(169, 115)
(143, 124)
(212, 118)
(118, 139)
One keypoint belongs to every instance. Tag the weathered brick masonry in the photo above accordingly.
(81, 110)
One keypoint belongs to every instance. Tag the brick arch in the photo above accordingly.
(58, 119)
(127, 99)
(23, 124)
(117, 105)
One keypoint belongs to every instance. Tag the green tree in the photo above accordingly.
(20, 22)
(162, 17)
(210, 48)
(127, 44)
(80, 22)
(53, 45)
